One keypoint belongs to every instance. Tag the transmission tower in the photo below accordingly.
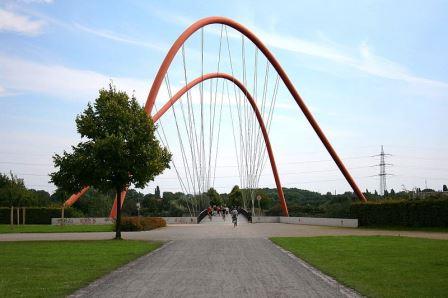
(383, 174)
(383, 185)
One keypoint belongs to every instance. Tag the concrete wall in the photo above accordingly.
(314, 221)
(83, 221)
(265, 219)
(180, 220)
(332, 222)
(106, 220)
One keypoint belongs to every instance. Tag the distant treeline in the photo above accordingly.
(300, 202)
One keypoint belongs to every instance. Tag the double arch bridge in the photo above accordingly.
(161, 76)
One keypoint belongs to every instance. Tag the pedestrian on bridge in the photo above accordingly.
(235, 217)
(209, 212)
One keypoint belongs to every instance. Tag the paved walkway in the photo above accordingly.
(214, 268)
(208, 231)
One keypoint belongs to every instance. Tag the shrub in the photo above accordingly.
(297, 210)
(424, 213)
(134, 223)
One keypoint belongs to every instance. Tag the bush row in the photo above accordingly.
(36, 215)
(424, 213)
(134, 223)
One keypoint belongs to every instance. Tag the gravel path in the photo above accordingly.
(215, 268)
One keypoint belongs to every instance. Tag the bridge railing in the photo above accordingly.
(246, 214)
(202, 215)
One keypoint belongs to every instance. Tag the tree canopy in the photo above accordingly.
(214, 198)
(118, 147)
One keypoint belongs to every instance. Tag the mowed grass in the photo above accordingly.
(401, 228)
(55, 269)
(55, 229)
(378, 266)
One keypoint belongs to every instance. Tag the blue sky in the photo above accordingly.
(372, 72)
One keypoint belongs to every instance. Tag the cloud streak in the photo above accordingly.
(361, 59)
(118, 38)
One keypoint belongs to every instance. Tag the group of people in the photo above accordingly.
(223, 211)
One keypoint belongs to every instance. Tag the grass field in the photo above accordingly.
(55, 269)
(400, 228)
(55, 229)
(378, 266)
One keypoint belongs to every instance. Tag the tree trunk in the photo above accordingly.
(118, 219)
(12, 216)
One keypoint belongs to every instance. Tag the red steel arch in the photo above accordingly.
(237, 26)
(253, 104)
(246, 32)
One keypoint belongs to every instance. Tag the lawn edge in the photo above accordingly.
(342, 289)
(85, 290)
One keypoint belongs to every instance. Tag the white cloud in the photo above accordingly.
(13, 22)
(18, 75)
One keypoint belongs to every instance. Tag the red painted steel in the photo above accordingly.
(253, 104)
(231, 23)
(113, 211)
(74, 197)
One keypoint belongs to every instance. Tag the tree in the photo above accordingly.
(445, 188)
(265, 201)
(392, 192)
(118, 149)
(235, 196)
(130, 205)
(157, 192)
(13, 191)
(214, 198)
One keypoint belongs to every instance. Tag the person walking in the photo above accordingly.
(223, 213)
(209, 213)
(235, 217)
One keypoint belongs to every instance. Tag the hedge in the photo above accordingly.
(36, 215)
(134, 223)
(424, 213)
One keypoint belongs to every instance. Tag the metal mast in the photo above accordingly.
(382, 174)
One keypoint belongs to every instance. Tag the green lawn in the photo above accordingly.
(55, 229)
(401, 228)
(378, 266)
(55, 269)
